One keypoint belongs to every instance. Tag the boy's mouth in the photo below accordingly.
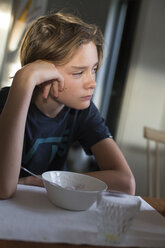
(86, 98)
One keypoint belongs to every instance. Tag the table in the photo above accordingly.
(158, 204)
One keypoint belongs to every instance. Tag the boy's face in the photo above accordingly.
(79, 77)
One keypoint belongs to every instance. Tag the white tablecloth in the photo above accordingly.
(30, 216)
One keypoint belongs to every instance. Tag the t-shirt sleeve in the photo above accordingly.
(91, 128)
(3, 96)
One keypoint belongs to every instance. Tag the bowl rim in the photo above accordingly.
(77, 190)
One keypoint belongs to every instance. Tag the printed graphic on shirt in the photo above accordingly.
(58, 146)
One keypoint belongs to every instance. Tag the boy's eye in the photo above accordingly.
(95, 70)
(78, 74)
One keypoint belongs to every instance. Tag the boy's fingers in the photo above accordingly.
(60, 81)
(46, 89)
(57, 84)
(55, 88)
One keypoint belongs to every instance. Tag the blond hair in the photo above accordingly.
(56, 37)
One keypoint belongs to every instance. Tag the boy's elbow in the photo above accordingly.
(6, 193)
(131, 185)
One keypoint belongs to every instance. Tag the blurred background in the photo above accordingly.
(130, 92)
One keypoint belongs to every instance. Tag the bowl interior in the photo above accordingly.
(74, 181)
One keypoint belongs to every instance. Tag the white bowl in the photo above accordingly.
(79, 191)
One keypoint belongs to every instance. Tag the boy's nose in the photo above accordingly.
(90, 84)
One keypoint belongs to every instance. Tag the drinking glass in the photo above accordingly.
(115, 214)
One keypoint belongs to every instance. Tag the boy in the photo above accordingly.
(48, 106)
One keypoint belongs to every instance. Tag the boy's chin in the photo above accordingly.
(80, 107)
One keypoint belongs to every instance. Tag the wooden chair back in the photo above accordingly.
(153, 176)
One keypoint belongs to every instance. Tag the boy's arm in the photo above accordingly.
(13, 119)
(114, 169)
(31, 180)
(12, 125)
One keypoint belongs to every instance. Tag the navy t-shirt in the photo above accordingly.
(47, 140)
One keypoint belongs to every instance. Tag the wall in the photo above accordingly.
(93, 11)
(144, 99)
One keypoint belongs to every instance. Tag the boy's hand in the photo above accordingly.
(56, 83)
(43, 74)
